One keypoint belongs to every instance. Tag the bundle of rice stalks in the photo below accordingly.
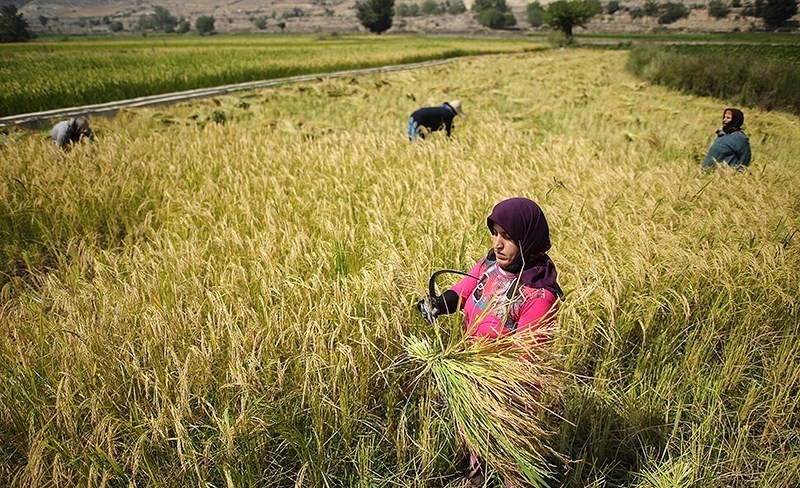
(497, 393)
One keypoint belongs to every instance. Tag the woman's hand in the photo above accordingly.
(446, 303)
(430, 308)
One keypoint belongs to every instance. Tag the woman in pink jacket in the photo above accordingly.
(513, 290)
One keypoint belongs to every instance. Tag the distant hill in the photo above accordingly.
(326, 16)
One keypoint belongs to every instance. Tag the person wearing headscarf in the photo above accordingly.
(731, 146)
(71, 131)
(513, 290)
(429, 119)
(515, 287)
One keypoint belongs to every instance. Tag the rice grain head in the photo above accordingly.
(497, 392)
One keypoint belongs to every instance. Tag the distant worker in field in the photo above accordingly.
(70, 131)
(731, 145)
(430, 119)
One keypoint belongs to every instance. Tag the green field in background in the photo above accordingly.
(47, 75)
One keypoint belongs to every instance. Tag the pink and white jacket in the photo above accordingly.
(496, 304)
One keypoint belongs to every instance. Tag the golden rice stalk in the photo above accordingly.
(495, 393)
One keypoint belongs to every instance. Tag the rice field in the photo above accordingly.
(221, 293)
(51, 74)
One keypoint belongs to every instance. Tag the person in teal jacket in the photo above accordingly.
(731, 145)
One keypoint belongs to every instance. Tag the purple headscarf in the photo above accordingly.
(524, 221)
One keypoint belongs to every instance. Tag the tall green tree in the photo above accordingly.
(535, 13)
(160, 20)
(494, 14)
(204, 25)
(564, 15)
(13, 27)
(375, 15)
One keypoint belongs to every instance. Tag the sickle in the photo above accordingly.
(432, 281)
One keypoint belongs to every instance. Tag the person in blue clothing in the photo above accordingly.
(429, 119)
(731, 145)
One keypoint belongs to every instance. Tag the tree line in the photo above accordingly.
(377, 15)
(565, 15)
(14, 27)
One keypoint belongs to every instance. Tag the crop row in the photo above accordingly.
(49, 75)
